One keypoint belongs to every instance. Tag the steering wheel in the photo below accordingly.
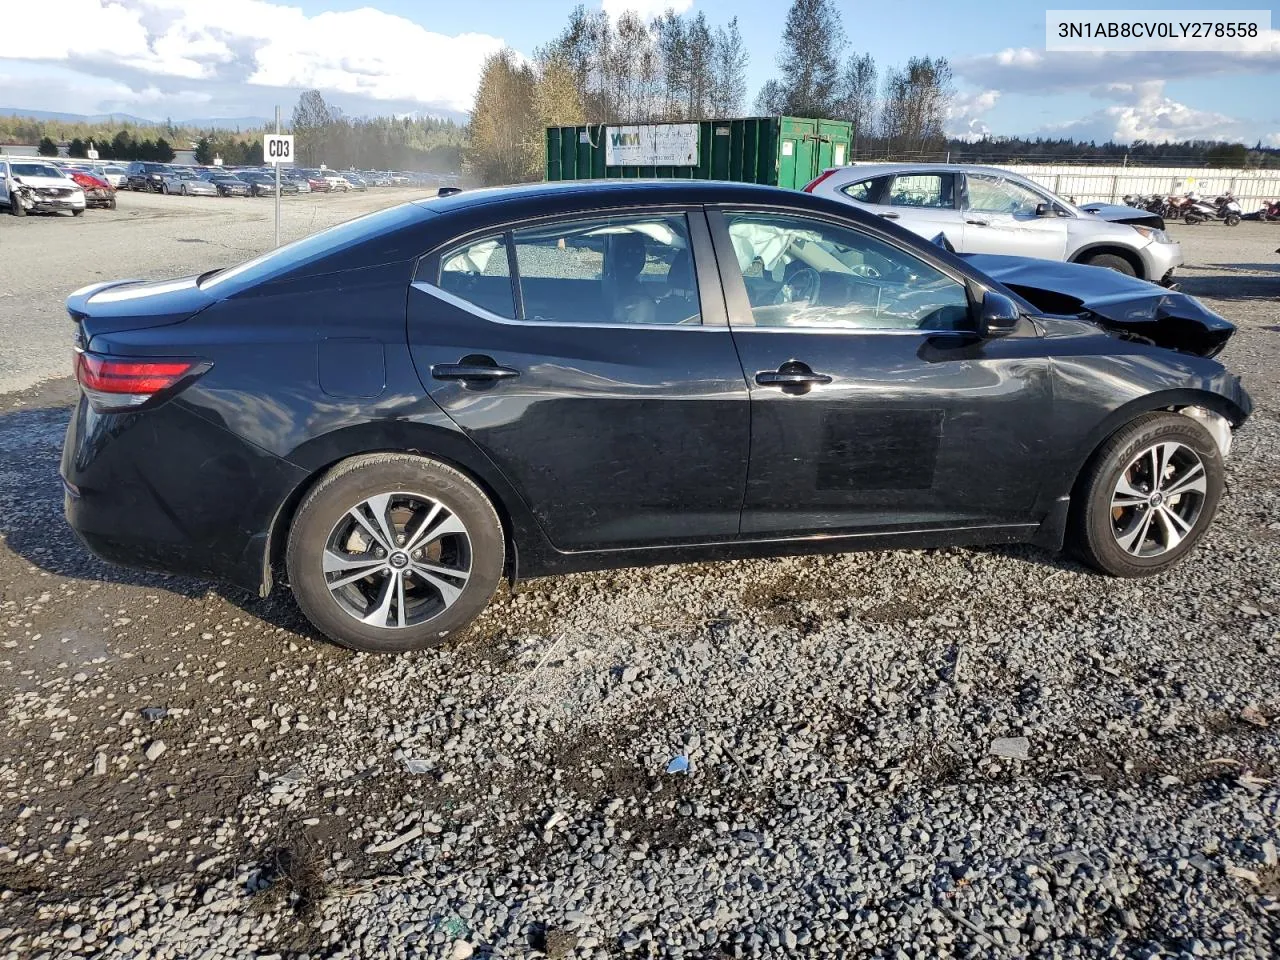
(803, 286)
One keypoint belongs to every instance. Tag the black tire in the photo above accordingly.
(1112, 261)
(164, 188)
(16, 207)
(1232, 219)
(111, 204)
(350, 483)
(1092, 533)
(184, 189)
(76, 213)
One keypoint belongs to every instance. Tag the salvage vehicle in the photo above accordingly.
(987, 210)
(262, 184)
(97, 192)
(337, 183)
(32, 186)
(185, 183)
(397, 411)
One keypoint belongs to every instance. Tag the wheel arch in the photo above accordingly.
(1060, 507)
(321, 454)
(1132, 257)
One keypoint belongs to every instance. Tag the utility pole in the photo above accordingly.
(277, 166)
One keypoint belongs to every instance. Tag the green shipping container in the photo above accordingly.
(779, 151)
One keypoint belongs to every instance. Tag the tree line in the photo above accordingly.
(602, 70)
(324, 134)
(121, 147)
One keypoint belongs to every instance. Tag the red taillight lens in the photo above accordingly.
(814, 183)
(113, 383)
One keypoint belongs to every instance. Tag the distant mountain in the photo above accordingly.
(199, 123)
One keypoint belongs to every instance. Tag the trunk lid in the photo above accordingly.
(112, 307)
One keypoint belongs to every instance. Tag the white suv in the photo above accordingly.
(986, 210)
(34, 186)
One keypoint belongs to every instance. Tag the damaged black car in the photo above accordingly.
(394, 414)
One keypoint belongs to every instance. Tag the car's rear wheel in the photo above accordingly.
(392, 552)
(1112, 261)
(1148, 496)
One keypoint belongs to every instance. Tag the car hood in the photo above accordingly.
(42, 182)
(1116, 302)
(1118, 213)
(135, 305)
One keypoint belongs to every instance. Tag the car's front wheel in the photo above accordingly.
(1148, 496)
(1112, 261)
(392, 552)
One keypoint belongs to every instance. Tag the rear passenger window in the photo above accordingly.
(924, 190)
(480, 273)
(625, 269)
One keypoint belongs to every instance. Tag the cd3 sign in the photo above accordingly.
(277, 148)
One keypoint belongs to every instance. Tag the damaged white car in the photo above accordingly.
(31, 186)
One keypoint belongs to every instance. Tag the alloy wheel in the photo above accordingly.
(1158, 499)
(397, 560)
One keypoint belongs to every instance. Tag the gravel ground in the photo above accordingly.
(974, 753)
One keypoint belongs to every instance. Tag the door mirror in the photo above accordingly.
(1044, 210)
(998, 316)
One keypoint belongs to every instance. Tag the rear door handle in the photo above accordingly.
(477, 368)
(793, 377)
(979, 223)
(769, 378)
(889, 216)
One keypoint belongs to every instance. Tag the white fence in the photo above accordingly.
(1109, 184)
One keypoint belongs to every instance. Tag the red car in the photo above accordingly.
(97, 192)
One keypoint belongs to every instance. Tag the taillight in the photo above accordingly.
(124, 383)
(813, 184)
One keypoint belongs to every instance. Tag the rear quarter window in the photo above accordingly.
(865, 191)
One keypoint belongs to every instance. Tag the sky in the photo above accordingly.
(196, 59)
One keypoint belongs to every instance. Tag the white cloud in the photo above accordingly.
(964, 115)
(1142, 111)
(646, 9)
(1029, 70)
(363, 52)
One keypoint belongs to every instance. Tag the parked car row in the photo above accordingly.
(261, 181)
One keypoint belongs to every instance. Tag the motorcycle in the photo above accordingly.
(1228, 209)
(1224, 208)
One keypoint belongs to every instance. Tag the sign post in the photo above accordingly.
(277, 148)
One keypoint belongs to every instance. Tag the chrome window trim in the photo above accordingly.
(430, 289)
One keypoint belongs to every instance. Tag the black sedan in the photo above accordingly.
(397, 412)
(264, 184)
(227, 184)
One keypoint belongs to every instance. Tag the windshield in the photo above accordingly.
(36, 170)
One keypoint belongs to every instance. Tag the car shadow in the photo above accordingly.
(1242, 286)
(34, 530)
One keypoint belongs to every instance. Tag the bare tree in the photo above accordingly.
(673, 52)
(857, 97)
(729, 71)
(915, 104)
(809, 60)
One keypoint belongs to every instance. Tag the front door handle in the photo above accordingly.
(473, 368)
(792, 377)
(979, 223)
(889, 216)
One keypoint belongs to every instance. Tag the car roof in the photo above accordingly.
(604, 193)
(869, 171)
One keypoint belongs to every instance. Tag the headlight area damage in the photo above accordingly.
(1127, 306)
